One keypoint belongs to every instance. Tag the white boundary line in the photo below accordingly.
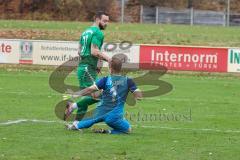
(15, 122)
(11, 122)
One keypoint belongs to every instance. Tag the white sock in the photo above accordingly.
(75, 123)
(74, 106)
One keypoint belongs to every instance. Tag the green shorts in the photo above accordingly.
(87, 75)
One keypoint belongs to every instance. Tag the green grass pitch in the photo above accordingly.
(137, 33)
(201, 112)
(206, 127)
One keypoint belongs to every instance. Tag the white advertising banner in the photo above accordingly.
(15, 51)
(129, 52)
(54, 52)
(233, 60)
(58, 52)
(9, 51)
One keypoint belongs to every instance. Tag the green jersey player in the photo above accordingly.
(90, 45)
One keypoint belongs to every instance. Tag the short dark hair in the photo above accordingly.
(116, 64)
(99, 14)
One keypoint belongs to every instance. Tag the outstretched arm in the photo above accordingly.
(97, 53)
(137, 93)
(83, 92)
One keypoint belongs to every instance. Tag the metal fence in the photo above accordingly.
(187, 16)
(235, 19)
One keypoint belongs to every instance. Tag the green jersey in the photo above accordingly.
(93, 35)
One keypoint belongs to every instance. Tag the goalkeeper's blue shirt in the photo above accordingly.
(115, 90)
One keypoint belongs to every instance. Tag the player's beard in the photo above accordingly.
(102, 27)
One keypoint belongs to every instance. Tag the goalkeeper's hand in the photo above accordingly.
(67, 96)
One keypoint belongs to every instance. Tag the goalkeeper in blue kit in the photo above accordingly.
(110, 110)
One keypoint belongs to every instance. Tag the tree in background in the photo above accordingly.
(83, 10)
(165, 3)
(80, 10)
(109, 6)
(132, 11)
(217, 5)
(69, 9)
